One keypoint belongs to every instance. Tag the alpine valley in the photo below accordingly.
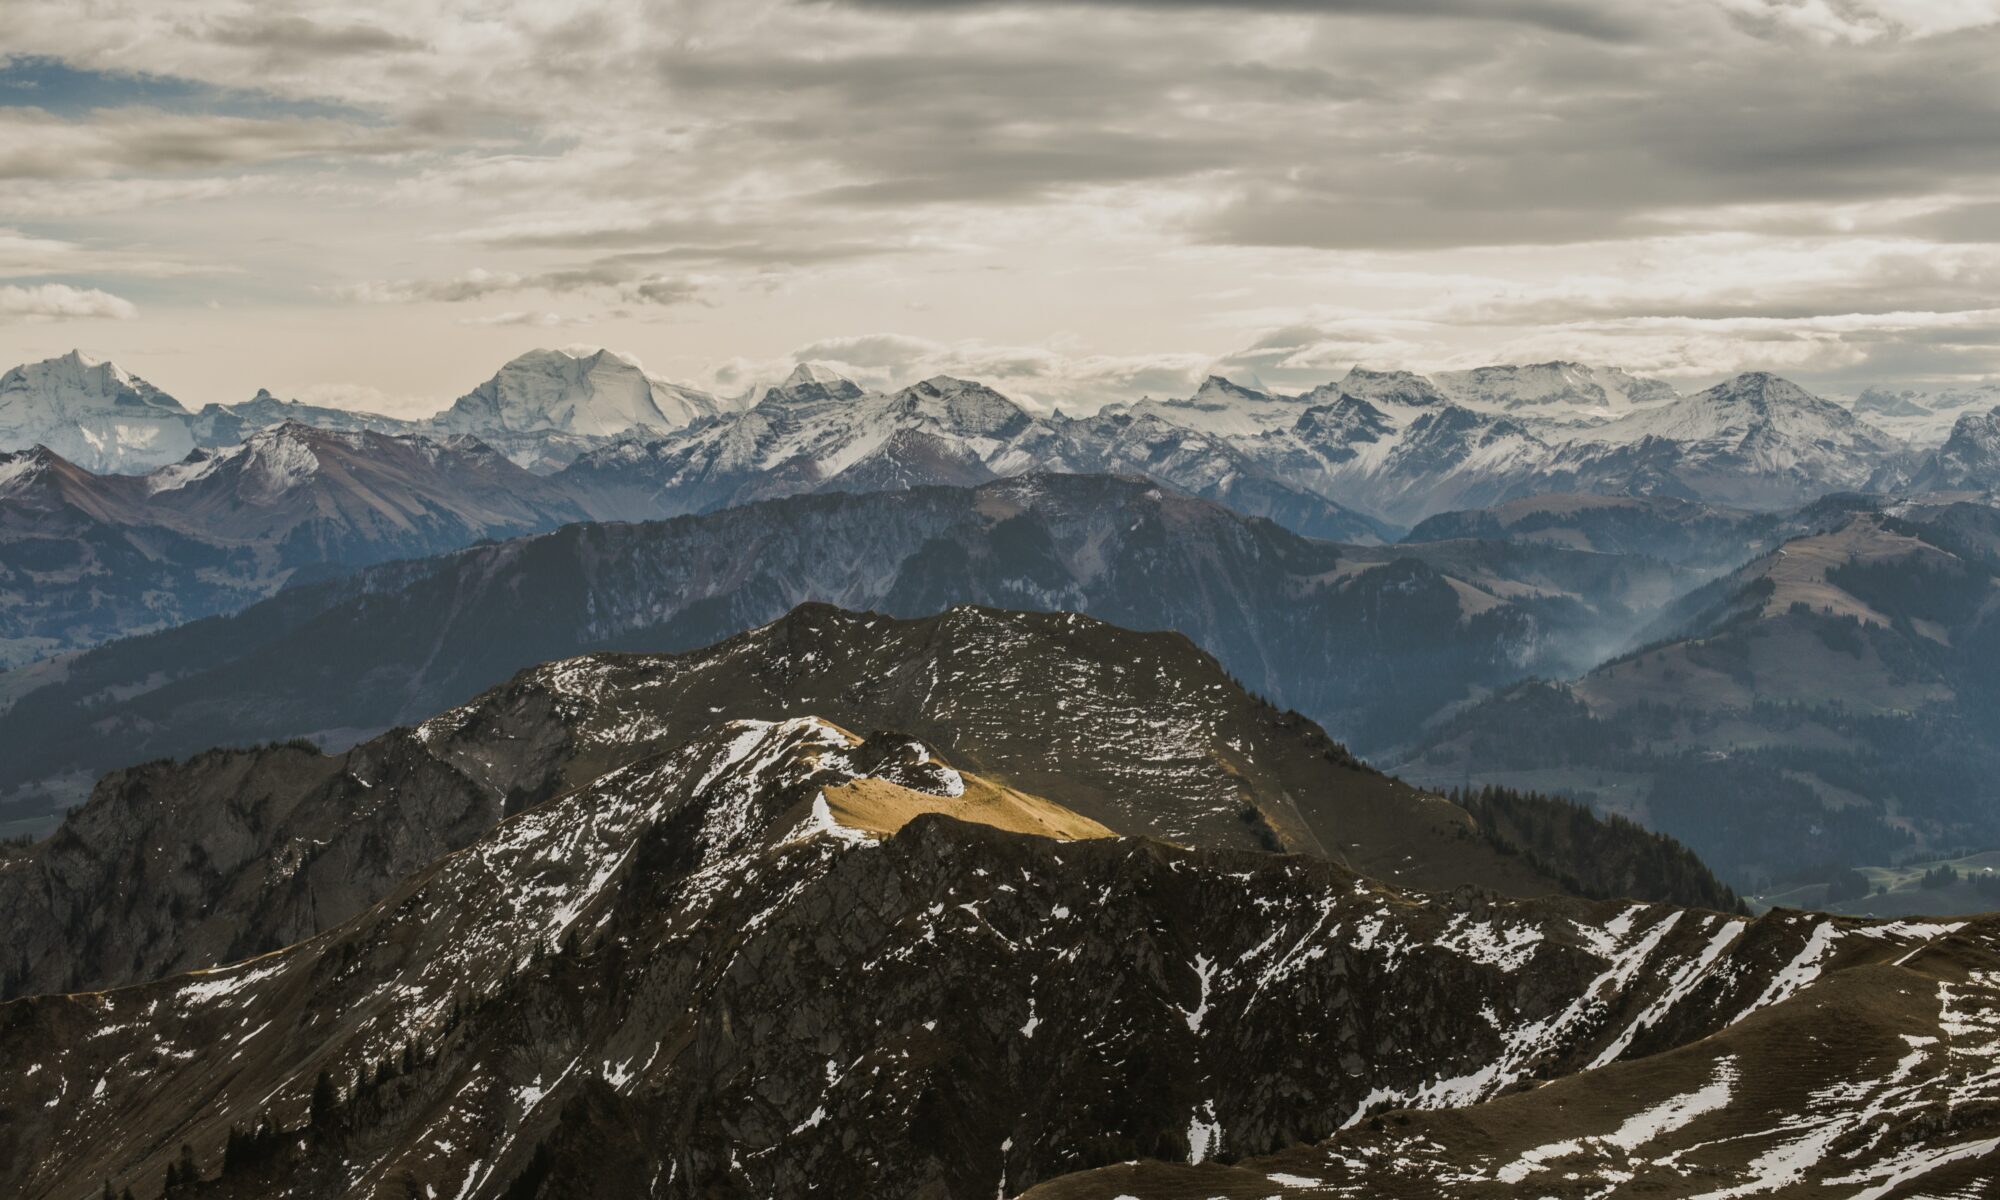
(1527, 780)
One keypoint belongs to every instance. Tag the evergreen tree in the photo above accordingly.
(324, 1098)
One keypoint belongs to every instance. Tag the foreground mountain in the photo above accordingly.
(1830, 704)
(233, 853)
(1368, 640)
(776, 958)
(1875, 1078)
(92, 414)
(90, 557)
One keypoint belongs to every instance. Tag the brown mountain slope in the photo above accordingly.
(179, 865)
(689, 979)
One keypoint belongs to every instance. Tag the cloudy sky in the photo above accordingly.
(375, 202)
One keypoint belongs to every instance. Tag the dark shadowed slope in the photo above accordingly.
(1367, 640)
(176, 865)
(1830, 703)
(708, 973)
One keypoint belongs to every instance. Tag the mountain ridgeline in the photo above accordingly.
(1829, 704)
(233, 853)
(1351, 461)
(733, 956)
(88, 558)
(1366, 640)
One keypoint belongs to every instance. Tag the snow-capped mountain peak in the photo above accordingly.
(1217, 390)
(268, 462)
(1219, 407)
(92, 413)
(1969, 460)
(1405, 388)
(21, 468)
(961, 406)
(1558, 387)
(1743, 405)
(810, 383)
(591, 393)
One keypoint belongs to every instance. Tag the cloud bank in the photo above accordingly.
(1090, 198)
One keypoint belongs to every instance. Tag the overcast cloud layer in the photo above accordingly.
(374, 202)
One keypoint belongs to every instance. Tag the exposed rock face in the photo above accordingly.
(239, 852)
(691, 977)
(1875, 1079)
(1969, 460)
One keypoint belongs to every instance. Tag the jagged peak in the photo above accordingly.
(76, 365)
(21, 469)
(1402, 387)
(810, 383)
(946, 385)
(812, 372)
(1218, 386)
(1759, 384)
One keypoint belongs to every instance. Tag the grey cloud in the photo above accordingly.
(1962, 223)
(289, 33)
(867, 350)
(748, 242)
(35, 145)
(538, 320)
(1546, 165)
(663, 289)
(1583, 19)
(478, 284)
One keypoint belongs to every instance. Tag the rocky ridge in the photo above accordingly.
(692, 976)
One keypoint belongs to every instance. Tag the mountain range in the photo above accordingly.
(1369, 453)
(1654, 495)
(85, 558)
(605, 789)
(1388, 446)
(542, 409)
(1367, 640)
(728, 955)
